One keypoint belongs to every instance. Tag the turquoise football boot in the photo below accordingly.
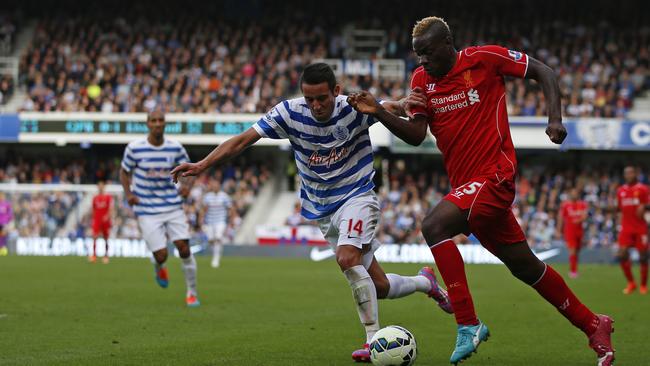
(467, 341)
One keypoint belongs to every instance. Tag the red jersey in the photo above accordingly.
(572, 215)
(629, 199)
(101, 206)
(467, 112)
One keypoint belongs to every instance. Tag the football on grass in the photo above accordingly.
(393, 346)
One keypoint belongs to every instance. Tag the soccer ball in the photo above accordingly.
(393, 346)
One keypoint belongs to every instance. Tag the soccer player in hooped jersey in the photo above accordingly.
(214, 214)
(573, 214)
(157, 202)
(460, 97)
(102, 213)
(632, 198)
(334, 157)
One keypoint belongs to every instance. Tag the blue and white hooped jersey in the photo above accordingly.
(217, 205)
(334, 158)
(151, 179)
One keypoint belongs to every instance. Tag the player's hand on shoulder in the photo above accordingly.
(364, 102)
(132, 199)
(556, 131)
(186, 170)
(417, 98)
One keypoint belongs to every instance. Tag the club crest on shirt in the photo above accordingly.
(516, 55)
(341, 133)
(467, 75)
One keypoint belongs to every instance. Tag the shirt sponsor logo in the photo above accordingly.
(630, 201)
(473, 96)
(326, 160)
(455, 101)
(158, 173)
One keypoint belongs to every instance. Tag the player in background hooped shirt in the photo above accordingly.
(460, 97)
(102, 214)
(632, 198)
(157, 202)
(573, 214)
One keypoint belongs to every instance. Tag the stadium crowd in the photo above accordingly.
(215, 65)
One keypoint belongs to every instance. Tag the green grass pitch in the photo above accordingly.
(263, 311)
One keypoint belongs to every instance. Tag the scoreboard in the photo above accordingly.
(34, 126)
(120, 128)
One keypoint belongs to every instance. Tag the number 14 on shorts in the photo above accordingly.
(355, 225)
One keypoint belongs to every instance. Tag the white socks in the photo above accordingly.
(365, 297)
(216, 255)
(401, 286)
(189, 269)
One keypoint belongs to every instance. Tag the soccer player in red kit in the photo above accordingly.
(460, 97)
(573, 214)
(632, 198)
(102, 212)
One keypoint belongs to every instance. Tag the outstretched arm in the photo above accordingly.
(412, 132)
(222, 153)
(545, 76)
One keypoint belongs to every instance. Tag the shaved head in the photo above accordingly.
(156, 113)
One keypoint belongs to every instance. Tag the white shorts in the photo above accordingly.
(158, 230)
(215, 232)
(354, 223)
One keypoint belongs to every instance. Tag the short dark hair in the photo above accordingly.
(317, 73)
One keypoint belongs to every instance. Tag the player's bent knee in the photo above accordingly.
(160, 256)
(433, 230)
(183, 248)
(348, 257)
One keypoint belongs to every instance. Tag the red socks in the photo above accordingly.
(627, 270)
(644, 274)
(553, 288)
(573, 263)
(451, 267)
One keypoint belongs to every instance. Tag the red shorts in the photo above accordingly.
(628, 239)
(102, 228)
(573, 239)
(490, 216)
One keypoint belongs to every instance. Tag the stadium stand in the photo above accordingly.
(214, 65)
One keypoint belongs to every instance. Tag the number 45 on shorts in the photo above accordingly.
(466, 189)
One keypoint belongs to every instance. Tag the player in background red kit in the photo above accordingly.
(460, 97)
(102, 213)
(573, 214)
(632, 198)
